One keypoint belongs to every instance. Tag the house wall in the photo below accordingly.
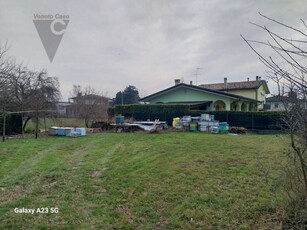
(256, 94)
(261, 96)
(185, 94)
(278, 106)
(61, 108)
(249, 93)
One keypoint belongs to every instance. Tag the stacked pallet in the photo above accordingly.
(204, 123)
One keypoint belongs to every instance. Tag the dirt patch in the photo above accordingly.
(162, 223)
(8, 194)
(197, 163)
(182, 174)
(50, 178)
(95, 173)
(126, 212)
(268, 221)
(235, 162)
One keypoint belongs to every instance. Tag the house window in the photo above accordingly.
(276, 105)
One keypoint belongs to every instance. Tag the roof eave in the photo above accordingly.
(188, 86)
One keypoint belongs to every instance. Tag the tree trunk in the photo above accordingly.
(25, 124)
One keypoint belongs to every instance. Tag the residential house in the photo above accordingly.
(61, 108)
(86, 101)
(277, 103)
(89, 99)
(256, 90)
(283, 103)
(202, 98)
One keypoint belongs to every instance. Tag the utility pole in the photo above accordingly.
(196, 75)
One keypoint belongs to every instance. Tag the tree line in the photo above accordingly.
(26, 91)
(23, 90)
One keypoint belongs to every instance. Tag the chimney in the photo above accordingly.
(257, 78)
(225, 83)
(248, 79)
(177, 81)
(191, 82)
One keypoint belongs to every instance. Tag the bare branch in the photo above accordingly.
(282, 24)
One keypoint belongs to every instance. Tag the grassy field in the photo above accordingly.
(138, 181)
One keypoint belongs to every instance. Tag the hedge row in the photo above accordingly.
(143, 108)
(13, 124)
(250, 120)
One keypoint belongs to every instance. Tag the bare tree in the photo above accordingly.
(23, 89)
(88, 104)
(6, 68)
(287, 67)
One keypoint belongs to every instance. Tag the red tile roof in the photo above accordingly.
(236, 85)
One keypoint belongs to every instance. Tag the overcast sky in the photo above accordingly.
(110, 44)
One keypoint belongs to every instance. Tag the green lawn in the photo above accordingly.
(139, 181)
